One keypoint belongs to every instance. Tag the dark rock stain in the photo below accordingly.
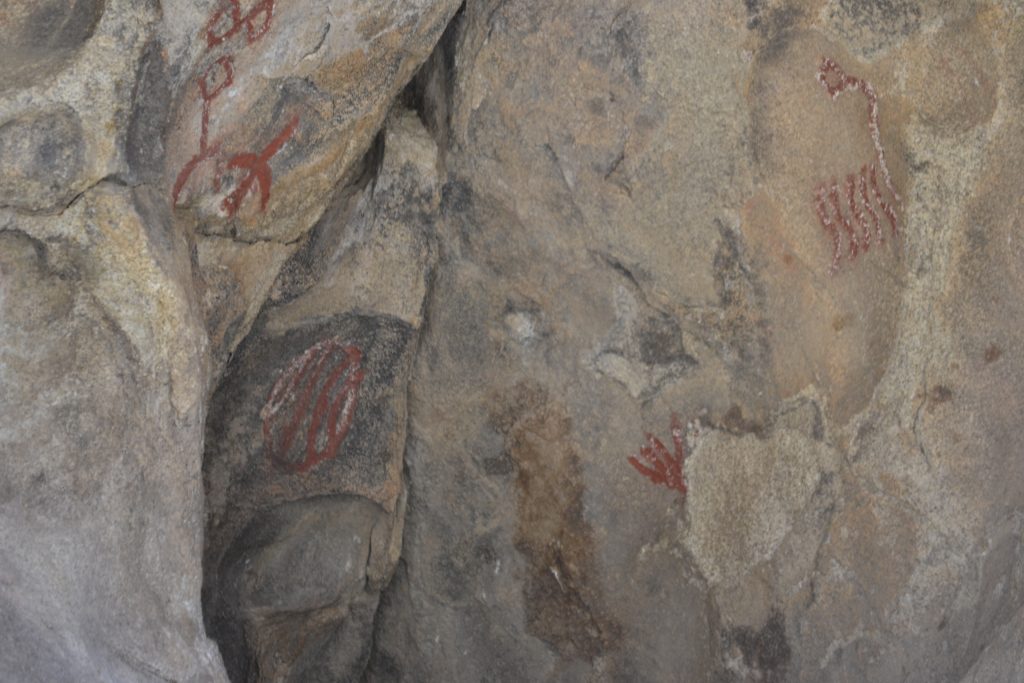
(734, 422)
(456, 197)
(308, 264)
(766, 652)
(144, 144)
(661, 341)
(562, 599)
(774, 26)
(883, 16)
(993, 353)
(736, 329)
(940, 393)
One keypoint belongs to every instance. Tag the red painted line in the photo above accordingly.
(836, 81)
(257, 169)
(833, 194)
(886, 207)
(188, 168)
(826, 222)
(226, 22)
(342, 409)
(305, 378)
(858, 215)
(329, 415)
(866, 201)
(233, 11)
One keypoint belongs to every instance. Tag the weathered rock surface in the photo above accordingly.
(306, 436)
(101, 413)
(294, 88)
(121, 310)
(327, 331)
(843, 520)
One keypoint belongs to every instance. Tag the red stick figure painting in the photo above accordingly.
(314, 398)
(225, 23)
(853, 210)
(217, 77)
(257, 170)
(657, 464)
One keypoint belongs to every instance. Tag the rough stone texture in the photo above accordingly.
(66, 84)
(304, 532)
(844, 520)
(399, 286)
(120, 315)
(101, 411)
(332, 68)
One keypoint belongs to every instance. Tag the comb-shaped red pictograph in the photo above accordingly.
(318, 391)
(657, 464)
(852, 211)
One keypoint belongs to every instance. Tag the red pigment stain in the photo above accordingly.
(225, 23)
(660, 466)
(845, 209)
(317, 394)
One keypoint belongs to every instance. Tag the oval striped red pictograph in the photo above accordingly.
(315, 397)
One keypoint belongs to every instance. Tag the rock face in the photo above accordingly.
(101, 413)
(517, 340)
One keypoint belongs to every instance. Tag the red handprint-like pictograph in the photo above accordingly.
(657, 464)
(317, 392)
(852, 211)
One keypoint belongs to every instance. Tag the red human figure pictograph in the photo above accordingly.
(657, 464)
(217, 77)
(257, 168)
(225, 22)
(847, 210)
(256, 22)
(318, 391)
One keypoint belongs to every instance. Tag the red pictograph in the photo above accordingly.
(262, 11)
(847, 211)
(227, 21)
(317, 393)
(257, 170)
(657, 464)
(217, 77)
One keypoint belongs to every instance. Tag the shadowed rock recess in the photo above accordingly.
(511, 340)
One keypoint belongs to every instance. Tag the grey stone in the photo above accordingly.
(100, 424)
(41, 157)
